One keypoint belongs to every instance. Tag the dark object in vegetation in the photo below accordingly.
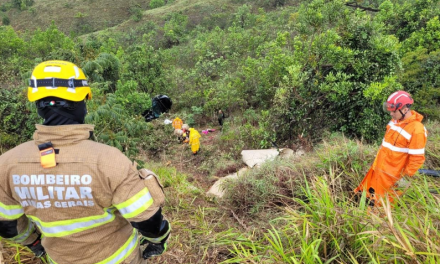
(434, 173)
(160, 104)
(6, 21)
(363, 8)
(221, 116)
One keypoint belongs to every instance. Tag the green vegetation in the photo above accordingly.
(6, 21)
(320, 223)
(310, 74)
(156, 3)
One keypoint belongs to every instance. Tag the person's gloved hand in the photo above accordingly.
(153, 250)
(37, 248)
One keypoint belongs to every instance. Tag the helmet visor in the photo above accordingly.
(387, 107)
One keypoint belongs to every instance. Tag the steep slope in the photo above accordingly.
(82, 17)
(72, 15)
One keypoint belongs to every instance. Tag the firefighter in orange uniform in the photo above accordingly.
(77, 200)
(402, 152)
(177, 123)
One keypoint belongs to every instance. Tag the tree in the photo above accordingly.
(174, 29)
(105, 68)
(144, 65)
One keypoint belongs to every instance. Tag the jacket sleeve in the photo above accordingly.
(14, 225)
(132, 197)
(416, 152)
(139, 198)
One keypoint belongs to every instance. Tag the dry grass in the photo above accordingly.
(10, 256)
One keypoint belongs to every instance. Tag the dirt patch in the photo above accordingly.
(228, 170)
(199, 167)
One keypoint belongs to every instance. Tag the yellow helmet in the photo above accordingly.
(60, 79)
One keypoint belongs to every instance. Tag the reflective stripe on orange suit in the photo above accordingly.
(402, 153)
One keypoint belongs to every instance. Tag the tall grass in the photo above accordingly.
(322, 224)
(329, 230)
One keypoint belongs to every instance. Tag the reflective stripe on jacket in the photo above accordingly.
(402, 153)
(84, 205)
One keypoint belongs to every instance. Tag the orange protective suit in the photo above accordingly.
(177, 123)
(402, 153)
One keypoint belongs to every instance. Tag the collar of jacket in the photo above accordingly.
(62, 135)
(414, 117)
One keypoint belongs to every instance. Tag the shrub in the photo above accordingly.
(17, 118)
(174, 29)
(6, 21)
(144, 65)
(115, 126)
(105, 68)
(43, 43)
(421, 79)
(156, 3)
(22, 4)
(136, 14)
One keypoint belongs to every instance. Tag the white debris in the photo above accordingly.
(258, 156)
(217, 190)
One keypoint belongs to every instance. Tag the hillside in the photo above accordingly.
(83, 17)
(290, 211)
(72, 16)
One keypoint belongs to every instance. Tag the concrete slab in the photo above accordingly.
(258, 156)
(252, 158)
(217, 190)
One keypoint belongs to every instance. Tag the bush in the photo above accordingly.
(156, 3)
(4, 7)
(174, 29)
(22, 4)
(144, 65)
(17, 118)
(115, 126)
(6, 21)
(43, 43)
(136, 14)
(421, 79)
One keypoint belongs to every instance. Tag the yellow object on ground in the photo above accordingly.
(194, 141)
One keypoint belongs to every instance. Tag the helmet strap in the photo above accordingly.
(403, 115)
